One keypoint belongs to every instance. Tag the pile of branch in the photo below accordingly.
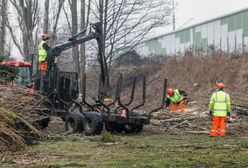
(23, 101)
(196, 121)
(17, 116)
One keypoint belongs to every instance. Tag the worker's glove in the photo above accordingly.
(211, 113)
(46, 59)
(186, 101)
(228, 119)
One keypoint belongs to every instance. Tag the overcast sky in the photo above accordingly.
(189, 12)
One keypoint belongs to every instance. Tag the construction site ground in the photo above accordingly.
(171, 140)
(157, 146)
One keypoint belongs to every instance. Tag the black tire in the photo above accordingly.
(93, 123)
(133, 128)
(109, 127)
(43, 123)
(114, 127)
(44, 120)
(129, 128)
(74, 122)
(139, 128)
(63, 118)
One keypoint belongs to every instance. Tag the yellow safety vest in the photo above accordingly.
(42, 52)
(177, 97)
(220, 103)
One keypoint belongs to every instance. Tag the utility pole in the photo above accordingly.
(173, 15)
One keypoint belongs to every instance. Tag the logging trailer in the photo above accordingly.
(66, 101)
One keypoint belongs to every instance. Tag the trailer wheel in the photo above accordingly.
(43, 123)
(109, 126)
(133, 128)
(44, 118)
(114, 127)
(74, 122)
(93, 123)
(63, 118)
(139, 128)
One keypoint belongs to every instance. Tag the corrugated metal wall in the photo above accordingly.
(228, 33)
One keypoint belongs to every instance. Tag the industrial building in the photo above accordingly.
(228, 33)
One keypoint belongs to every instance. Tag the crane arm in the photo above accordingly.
(56, 50)
(80, 38)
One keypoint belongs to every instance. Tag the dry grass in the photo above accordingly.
(10, 138)
(15, 117)
(143, 150)
(199, 75)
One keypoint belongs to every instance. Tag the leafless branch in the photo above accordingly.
(14, 37)
(67, 19)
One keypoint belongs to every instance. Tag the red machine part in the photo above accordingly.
(16, 63)
(122, 113)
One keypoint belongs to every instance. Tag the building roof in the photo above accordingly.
(198, 24)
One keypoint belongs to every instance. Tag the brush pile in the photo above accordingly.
(19, 119)
(197, 121)
(197, 75)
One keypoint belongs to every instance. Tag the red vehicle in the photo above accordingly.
(23, 69)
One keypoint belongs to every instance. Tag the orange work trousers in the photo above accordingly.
(43, 66)
(181, 105)
(218, 123)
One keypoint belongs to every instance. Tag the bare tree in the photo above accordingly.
(126, 23)
(56, 16)
(82, 47)
(27, 19)
(46, 17)
(3, 15)
(73, 25)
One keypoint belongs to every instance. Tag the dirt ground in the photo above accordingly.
(167, 142)
(171, 140)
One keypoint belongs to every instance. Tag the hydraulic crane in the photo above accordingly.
(80, 38)
(62, 93)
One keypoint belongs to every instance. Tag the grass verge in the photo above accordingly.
(154, 150)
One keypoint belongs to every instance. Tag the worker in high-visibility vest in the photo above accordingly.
(176, 98)
(219, 108)
(43, 49)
